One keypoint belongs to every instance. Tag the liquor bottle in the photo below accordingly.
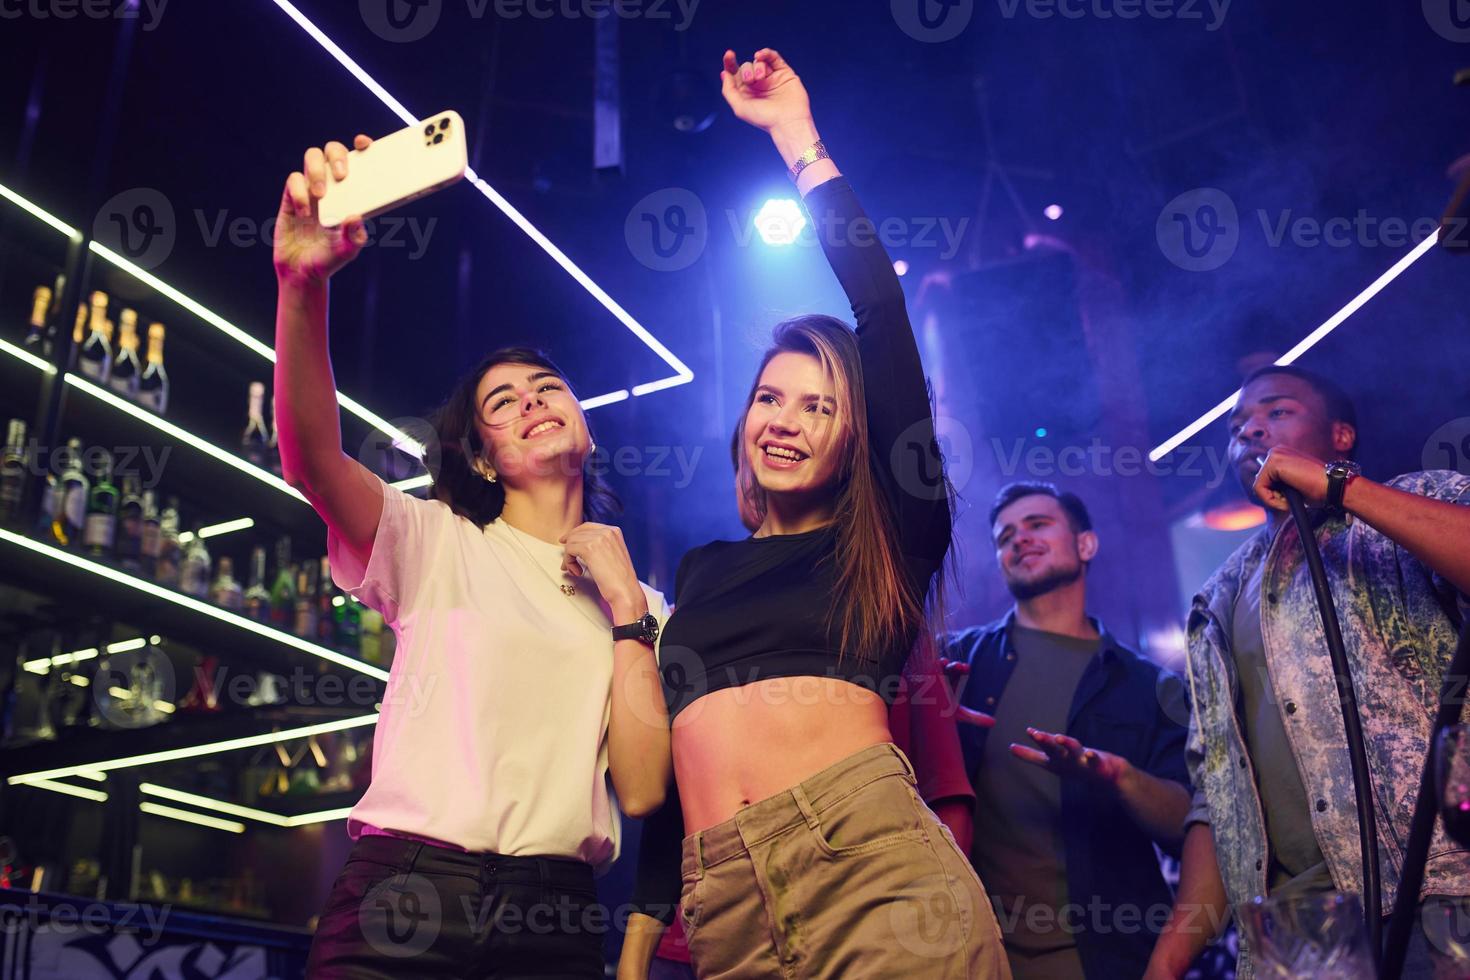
(226, 589)
(348, 617)
(78, 335)
(257, 597)
(283, 589)
(255, 443)
(126, 371)
(153, 385)
(36, 338)
(166, 566)
(13, 472)
(326, 623)
(203, 697)
(95, 360)
(100, 534)
(306, 586)
(370, 646)
(71, 515)
(194, 572)
(151, 539)
(130, 526)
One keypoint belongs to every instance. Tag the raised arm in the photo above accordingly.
(308, 428)
(767, 93)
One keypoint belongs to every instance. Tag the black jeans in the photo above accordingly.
(404, 909)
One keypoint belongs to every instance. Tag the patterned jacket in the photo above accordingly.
(1400, 623)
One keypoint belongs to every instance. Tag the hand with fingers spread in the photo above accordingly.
(304, 250)
(1069, 758)
(599, 552)
(764, 91)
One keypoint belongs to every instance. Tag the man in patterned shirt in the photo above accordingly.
(1274, 811)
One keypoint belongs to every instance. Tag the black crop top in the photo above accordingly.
(760, 608)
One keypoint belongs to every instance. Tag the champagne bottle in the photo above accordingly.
(153, 385)
(151, 539)
(36, 338)
(326, 623)
(71, 515)
(78, 335)
(126, 371)
(130, 526)
(283, 590)
(348, 618)
(255, 443)
(166, 567)
(257, 596)
(100, 535)
(371, 639)
(274, 448)
(13, 472)
(226, 589)
(194, 572)
(95, 360)
(306, 586)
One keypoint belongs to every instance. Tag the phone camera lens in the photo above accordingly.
(438, 138)
(444, 124)
(429, 130)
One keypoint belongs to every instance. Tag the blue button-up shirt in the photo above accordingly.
(1399, 626)
(1123, 704)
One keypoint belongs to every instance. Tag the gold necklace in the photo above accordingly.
(566, 590)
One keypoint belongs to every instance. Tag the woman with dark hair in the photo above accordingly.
(810, 853)
(524, 675)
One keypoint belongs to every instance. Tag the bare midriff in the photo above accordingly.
(740, 745)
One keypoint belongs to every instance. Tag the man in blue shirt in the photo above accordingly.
(1075, 747)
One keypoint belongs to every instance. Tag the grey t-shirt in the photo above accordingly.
(1018, 850)
(1296, 860)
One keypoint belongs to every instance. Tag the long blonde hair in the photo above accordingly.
(873, 600)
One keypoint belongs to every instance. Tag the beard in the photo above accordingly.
(1053, 578)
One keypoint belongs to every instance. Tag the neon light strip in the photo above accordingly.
(204, 313)
(20, 353)
(215, 530)
(1307, 343)
(193, 799)
(682, 373)
(193, 751)
(95, 795)
(159, 810)
(197, 605)
(610, 398)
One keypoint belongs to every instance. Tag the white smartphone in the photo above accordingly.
(396, 169)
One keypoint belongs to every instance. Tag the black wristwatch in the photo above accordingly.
(1339, 472)
(646, 629)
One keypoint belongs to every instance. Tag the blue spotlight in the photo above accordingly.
(780, 221)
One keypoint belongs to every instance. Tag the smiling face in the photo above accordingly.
(1036, 547)
(1282, 410)
(794, 438)
(530, 423)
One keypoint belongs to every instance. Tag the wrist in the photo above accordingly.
(628, 611)
(794, 137)
(300, 286)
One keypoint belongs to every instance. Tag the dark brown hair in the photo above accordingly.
(457, 482)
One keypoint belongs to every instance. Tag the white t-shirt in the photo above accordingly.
(493, 733)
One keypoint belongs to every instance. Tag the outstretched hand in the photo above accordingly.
(1068, 757)
(764, 92)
